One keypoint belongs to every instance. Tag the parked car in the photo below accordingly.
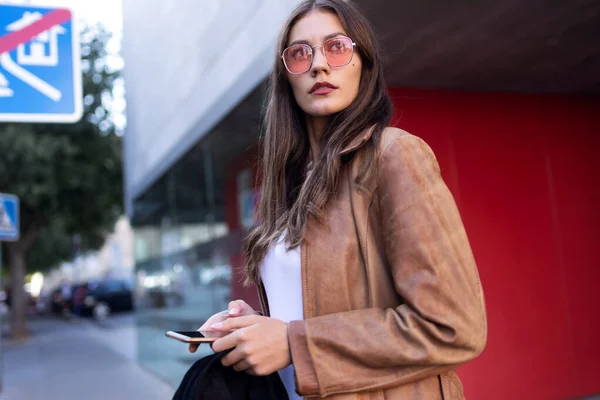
(59, 304)
(101, 298)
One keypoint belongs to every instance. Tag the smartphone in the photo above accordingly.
(196, 336)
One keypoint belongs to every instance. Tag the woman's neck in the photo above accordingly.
(315, 127)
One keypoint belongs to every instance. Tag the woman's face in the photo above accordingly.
(323, 90)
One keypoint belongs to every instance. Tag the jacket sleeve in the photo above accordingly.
(441, 321)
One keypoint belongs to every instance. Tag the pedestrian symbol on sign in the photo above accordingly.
(9, 217)
(5, 222)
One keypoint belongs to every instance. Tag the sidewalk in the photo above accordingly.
(70, 361)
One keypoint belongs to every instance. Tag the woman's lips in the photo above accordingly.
(323, 90)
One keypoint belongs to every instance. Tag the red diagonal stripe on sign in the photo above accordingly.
(11, 40)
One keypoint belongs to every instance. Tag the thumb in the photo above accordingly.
(237, 307)
(236, 323)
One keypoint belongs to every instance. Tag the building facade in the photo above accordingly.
(505, 93)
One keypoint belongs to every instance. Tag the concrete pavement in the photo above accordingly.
(76, 360)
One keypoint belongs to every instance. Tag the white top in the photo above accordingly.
(282, 277)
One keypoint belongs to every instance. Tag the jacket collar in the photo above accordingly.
(358, 141)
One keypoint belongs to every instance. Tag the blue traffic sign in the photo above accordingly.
(9, 217)
(40, 65)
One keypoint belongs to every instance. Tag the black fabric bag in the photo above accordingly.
(208, 379)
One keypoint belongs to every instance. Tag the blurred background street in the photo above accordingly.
(78, 359)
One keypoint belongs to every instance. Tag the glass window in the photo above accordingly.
(189, 226)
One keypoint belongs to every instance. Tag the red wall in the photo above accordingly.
(525, 171)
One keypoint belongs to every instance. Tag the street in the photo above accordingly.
(78, 359)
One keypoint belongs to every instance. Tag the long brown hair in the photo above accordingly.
(289, 196)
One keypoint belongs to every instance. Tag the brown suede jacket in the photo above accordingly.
(391, 293)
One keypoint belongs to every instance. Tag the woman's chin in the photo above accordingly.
(323, 109)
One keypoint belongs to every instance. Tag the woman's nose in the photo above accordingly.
(319, 63)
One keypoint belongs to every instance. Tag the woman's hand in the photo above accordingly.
(260, 344)
(236, 308)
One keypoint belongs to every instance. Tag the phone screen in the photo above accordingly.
(196, 336)
(192, 334)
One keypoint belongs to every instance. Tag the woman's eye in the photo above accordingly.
(336, 45)
(299, 53)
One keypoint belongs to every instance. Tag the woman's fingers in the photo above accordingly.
(218, 317)
(234, 357)
(242, 365)
(239, 307)
(236, 308)
(231, 324)
(240, 325)
(227, 342)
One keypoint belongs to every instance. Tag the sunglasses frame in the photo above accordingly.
(312, 52)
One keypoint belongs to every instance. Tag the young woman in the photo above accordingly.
(366, 278)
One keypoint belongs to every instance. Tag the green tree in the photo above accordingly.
(68, 178)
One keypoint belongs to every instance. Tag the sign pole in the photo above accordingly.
(1, 329)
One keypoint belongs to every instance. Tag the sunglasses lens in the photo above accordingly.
(298, 58)
(338, 51)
